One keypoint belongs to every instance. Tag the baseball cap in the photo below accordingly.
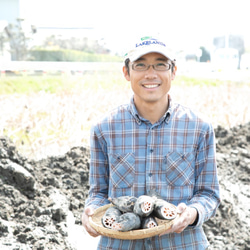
(147, 45)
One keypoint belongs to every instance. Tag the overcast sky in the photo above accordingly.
(184, 24)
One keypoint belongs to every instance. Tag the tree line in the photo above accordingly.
(53, 48)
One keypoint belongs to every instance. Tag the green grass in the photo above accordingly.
(191, 81)
(96, 80)
(26, 84)
(57, 84)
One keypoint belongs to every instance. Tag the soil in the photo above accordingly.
(39, 199)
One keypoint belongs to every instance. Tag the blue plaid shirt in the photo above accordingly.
(175, 157)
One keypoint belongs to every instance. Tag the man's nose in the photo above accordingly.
(151, 72)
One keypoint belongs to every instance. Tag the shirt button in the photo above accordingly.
(151, 150)
(150, 174)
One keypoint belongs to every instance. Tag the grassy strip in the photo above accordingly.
(96, 80)
(58, 84)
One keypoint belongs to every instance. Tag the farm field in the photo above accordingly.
(48, 115)
(48, 119)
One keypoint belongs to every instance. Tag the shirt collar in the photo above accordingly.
(140, 119)
(134, 111)
(169, 111)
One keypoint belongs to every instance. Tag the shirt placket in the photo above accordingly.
(149, 173)
(150, 158)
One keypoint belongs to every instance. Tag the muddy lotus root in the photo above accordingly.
(130, 213)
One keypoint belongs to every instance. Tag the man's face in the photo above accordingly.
(150, 86)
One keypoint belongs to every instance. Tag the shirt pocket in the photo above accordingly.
(122, 168)
(180, 168)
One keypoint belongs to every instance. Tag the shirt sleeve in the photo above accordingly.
(206, 197)
(98, 173)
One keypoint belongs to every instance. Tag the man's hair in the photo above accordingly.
(127, 64)
(127, 61)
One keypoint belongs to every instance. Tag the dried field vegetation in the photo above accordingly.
(48, 115)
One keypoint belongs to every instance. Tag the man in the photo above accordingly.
(155, 144)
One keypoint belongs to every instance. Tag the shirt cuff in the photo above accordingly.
(196, 219)
(200, 212)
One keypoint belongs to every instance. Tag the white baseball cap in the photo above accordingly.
(148, 45)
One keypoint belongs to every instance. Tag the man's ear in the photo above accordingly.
(174, 72)
(126, 73)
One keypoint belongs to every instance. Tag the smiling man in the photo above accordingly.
(150, 79)
(154, 144)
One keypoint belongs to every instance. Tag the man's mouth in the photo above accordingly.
(150, 86)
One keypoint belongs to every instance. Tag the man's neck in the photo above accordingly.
(152, 111)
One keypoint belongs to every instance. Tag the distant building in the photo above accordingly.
(227, 51)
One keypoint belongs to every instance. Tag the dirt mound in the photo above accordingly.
(38, 199)
(230, 228)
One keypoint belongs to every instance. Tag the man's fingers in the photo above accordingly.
(181, 208)
(182, 222)
(88, 212)
(91, 231)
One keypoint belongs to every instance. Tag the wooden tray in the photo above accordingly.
(95, 222)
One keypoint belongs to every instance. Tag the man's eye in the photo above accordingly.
(161, 65)
(140, 65)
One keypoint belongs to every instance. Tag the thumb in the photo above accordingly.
(89, 211)
(181, 208)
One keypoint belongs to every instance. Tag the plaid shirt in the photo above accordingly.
(175, 157)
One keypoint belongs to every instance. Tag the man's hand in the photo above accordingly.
(187, 217)
(85, 222)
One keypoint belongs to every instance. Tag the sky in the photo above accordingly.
(183, 24)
